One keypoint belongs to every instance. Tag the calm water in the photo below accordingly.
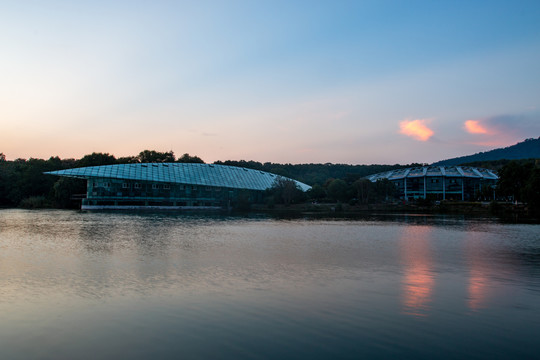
(102, 285)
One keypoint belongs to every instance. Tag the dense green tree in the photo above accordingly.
(337, 190)
(317, 192)
(521, 181)
(385, 190)
(21, 179)
(31, 179)
(64, 189)
(152, 156)
(242, 163)
(285, 191)
(96, 159)
(363, 189)
(127, 160)
(531, 192)
(186, 158)
(8, 179)
(513, 178)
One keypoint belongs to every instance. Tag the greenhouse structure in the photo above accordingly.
(441, 182)
(171, 185)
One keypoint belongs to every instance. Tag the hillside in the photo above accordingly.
(527, 149)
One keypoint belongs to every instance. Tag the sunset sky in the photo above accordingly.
(356, 82)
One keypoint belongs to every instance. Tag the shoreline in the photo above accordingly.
(504, 211)
(507, 212)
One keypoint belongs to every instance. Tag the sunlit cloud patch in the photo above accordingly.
(417, 129)
(475, 127)
(503, 130)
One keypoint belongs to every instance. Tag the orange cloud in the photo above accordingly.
(474, 127)
(416, 129)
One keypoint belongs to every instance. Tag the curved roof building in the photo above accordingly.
(439, 182)
(182, 185)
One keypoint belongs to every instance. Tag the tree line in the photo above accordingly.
(360, 191)
(312, 174)
(23, 182)
(519, 181)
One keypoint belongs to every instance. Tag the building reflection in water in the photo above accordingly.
(418, 280)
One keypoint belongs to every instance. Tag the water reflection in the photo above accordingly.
(418, 279)
(479, 274)
(141, 285)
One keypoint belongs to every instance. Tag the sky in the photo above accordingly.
(357, 82)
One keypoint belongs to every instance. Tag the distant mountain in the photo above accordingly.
(528, 149)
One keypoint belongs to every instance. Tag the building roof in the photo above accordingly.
(181, 173)
(436, 171)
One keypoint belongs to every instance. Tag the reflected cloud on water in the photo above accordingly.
(351, 282)
(487, 264)
(479, 286)
(418, 279)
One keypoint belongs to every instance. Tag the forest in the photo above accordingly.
(24, 184)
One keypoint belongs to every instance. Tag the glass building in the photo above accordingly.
(441, 182)
(171, 185)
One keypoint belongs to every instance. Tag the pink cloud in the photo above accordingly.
(475, 127)
(417, 129)
(502, 130)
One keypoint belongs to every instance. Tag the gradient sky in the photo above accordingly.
(283, 81)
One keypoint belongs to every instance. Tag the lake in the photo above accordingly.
(85, 285)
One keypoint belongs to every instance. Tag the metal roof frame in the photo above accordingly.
(181, 173)
(430, 171)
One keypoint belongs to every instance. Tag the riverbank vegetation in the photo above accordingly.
(24, 184)
(334, 186)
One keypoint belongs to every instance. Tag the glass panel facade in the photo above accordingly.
(171, 184)
(440, 182)
(180, 173)
(128, 192)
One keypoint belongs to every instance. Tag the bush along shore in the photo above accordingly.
(504, 210)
